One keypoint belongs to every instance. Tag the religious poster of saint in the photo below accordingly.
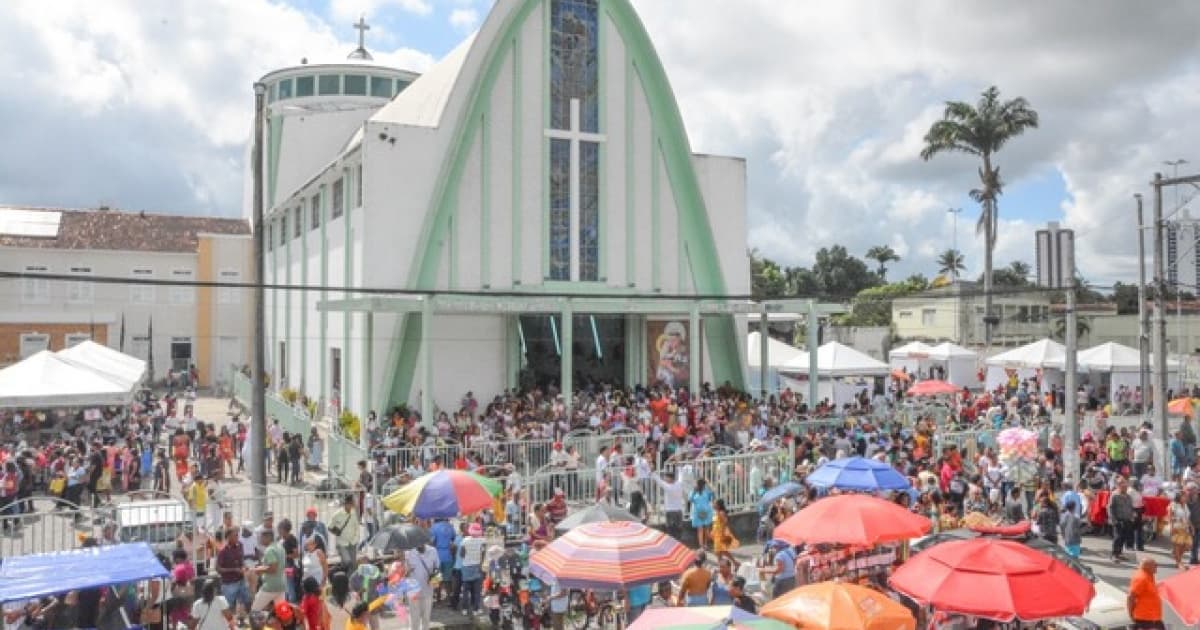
(667, 349)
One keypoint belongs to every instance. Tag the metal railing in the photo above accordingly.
(344, 455)
(292, 418)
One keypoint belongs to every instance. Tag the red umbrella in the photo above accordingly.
(852, 519)
(933, 387)
(994, 579)
(1180, 592)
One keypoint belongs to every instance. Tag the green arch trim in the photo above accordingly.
(676, 154)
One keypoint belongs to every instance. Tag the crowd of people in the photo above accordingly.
(256, 566)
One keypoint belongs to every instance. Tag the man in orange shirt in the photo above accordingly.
(1143, 603)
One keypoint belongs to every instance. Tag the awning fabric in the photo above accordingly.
(37, 575)
(106, 361)
(48, 380)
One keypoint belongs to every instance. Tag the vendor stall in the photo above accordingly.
(843, 371)
(46, 380)
(37, 575)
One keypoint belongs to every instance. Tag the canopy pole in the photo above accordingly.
(764, 353)
(811, 341)
(695, 375)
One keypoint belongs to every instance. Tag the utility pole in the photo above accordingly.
(1056, 270)
(258, 406)
(1161, 437)
(1143, 320)
(1174, 164)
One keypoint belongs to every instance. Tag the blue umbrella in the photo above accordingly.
(857, 473)
(778, 492)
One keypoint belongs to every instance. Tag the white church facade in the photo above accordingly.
(528, 212)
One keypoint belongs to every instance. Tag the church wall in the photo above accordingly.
(723, 183)
(468, 354)
(532, 164)
(617, 198)
(497, 248)
(468, 228)
(643, 221)
(669, 243)
(308, 142)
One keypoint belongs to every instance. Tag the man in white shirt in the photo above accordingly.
(1143, 453)
(672, 501)
(422, 563)
(601, 470)
(344, 525)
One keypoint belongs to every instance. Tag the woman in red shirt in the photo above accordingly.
(316, 617)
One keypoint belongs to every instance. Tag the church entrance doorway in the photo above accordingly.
(596, 344)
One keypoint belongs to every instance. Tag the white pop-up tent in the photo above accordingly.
(107, 362)
(844, 372)
(960, 363)
(48, 380)
(1027, 361)
(1122, 363)
(912, 357)
(778, 355)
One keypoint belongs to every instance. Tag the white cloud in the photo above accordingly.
(144, 102)
(830, 101)
(464, 19)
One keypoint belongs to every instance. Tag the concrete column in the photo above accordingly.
(764, 354)
(427, 361)
(814, 374)
(695, 374)
(566, 380)
(368, 376)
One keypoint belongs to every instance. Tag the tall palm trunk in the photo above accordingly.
(989, 242)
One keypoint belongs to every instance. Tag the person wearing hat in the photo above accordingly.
(312, 526)
(344, 525)
(471, 553)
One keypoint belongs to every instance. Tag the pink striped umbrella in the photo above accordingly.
(610, 555)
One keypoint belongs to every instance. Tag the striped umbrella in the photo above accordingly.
(444, 494)
(704, 618)
(610, 556)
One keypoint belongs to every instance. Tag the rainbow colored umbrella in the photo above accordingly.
(610, 556)
(704, 618)
(444, 494)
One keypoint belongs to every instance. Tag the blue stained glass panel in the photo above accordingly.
(574, 65)
(560, 209)
(589, 211)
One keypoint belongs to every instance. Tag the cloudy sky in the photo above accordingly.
(145, 104)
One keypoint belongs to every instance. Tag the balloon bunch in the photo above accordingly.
(400, 591)
(1018, 452)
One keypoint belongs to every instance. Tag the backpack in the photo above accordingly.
(957, 486)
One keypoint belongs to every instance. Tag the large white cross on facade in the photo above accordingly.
(575, 135)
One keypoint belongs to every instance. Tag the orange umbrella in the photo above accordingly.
(852, 519)
(933, 387)
(839, 606)
(901, 375)
(1181, 407)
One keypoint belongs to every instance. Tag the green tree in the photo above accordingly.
(767, 280)
(1082, 327)
(873, 306)
(1126, 297)
(1020, 268)
(802, 282)
(839, 274)
(950, 263)
(882, 254)
(982, 130)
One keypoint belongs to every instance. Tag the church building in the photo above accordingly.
(529, 212)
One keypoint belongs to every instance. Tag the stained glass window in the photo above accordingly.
(574, 71)
(560, 209)
(589, 211)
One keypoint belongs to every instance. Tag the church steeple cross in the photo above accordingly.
(575, 135)
(362, 27)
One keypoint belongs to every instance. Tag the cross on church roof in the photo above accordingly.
(362, 27)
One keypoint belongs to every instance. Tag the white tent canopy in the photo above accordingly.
(1039, 354)
(912, 350)
(836, 360)
(780, 352)
(48, 380)
(106, 361)
(946, 351)
(1111, 357)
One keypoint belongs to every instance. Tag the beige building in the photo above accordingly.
(87, 255)
(955, 313)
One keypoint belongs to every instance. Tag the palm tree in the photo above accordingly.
(1082, 328)
(982, 130)
(1020, 268)
(883, 255)
(950, 263)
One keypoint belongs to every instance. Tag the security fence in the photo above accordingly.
(292, 419)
